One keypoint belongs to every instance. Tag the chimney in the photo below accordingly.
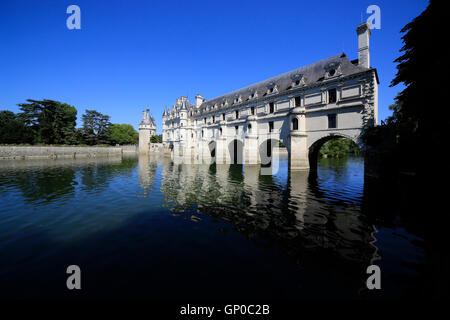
(363, 31)
(198, 100)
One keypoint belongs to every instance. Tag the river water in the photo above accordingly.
(144, 227)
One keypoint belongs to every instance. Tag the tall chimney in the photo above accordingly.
(363, 31)
(198, 100)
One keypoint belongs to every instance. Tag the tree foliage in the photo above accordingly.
(51, 121)
(95, 128)
(122, 134)
(420, 117)
(338, 148)
(13, 129)
(156, 139)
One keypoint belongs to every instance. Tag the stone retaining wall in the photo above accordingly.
(32, 152)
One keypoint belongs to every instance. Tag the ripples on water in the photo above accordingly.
(146, 227)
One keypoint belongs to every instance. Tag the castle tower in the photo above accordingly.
(147, 128)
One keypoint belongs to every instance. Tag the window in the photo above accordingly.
(332, 121)
(236, 128)
(297, 101)
(252, 110)
(331, 95)
(204, 120)
(223, 116)
(271, 126)
(214, 119)
(202, 133)
(271, 107)
(297, 82)
(220, 131)
(236, 113)
(295, 124)
(249, 127)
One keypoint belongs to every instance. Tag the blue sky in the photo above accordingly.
(130, 55)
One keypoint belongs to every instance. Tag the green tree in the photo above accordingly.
(122, 134)
(95, 127)
(13, 130)
(52, 122)
(338, 148)
(156, 139)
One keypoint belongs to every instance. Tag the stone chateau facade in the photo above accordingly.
(302, 109)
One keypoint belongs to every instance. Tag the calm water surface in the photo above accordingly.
(143, 227)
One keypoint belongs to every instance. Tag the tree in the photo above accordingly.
(122, 134)
(156, 139)
(421, 115)
(13, 130)
(95, 127)
(338, 148)
(51, 121)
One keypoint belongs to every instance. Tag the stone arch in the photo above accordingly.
(266, 150)
(212, 147)
(236, 151)
(314, 147)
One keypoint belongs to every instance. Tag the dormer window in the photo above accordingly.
(272, 88)
(332, 69)
(297, 101)
(297, 80)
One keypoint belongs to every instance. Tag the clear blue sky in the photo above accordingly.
(130, 55)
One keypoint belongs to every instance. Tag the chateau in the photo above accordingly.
(301, 109)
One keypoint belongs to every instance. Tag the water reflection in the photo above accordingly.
(295, 216)
(146, 218)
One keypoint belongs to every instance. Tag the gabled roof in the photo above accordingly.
(310, 74)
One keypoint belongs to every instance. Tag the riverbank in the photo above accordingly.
(64, 152)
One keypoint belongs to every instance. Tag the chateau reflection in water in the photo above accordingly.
(291, 215)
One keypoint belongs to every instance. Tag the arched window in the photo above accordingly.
(295, 124)
(249, 128)
(220, 131)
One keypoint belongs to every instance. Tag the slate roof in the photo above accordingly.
(149, 120)
(312, 73)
